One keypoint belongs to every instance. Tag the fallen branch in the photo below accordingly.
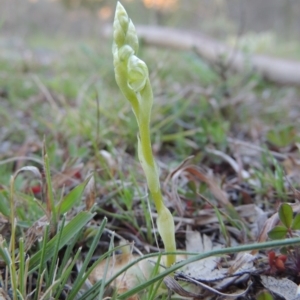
(279, 71)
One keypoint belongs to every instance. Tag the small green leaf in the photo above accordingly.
(286, 214)
(282, 137)
(69, 200)
(284, 250)
(265, 295)
(4, 207)
(296, 222)
(278, 232)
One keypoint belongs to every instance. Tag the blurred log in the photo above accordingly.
(279, 71)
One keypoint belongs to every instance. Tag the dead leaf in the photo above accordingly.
(110, 161)
(175, 177)
(5, 227)
(193, 172)
(205, 269)
(211, 269)
(128, 280)
(218, 193)
(243, 261)
(34, 170)
(234, 165)
(282, 287)
(213, 290)
(35, 232)
(174, 286)
(136, 274)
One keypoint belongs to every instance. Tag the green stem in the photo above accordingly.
(165, 222)
(149, 160)
(132, 77)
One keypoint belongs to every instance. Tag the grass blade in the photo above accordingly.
(69, 231)
(55, 254)
(67, 254)
(4, 253)
(67, 273)
(69, 200)
(82, 275)
(94, 291)
(49, 192)
(111, 246)
(42, 261)
(22, 267)
(12, 265)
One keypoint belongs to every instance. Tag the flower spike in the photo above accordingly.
(132, 77)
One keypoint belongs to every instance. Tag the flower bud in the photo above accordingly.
(124, 30)
(137, 73)
(131, 37)
(121, 22)
(125, 52)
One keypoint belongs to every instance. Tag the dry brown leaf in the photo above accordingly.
(291, 166)
(234, 165)
(205, 269)
(243, 261)
(208, 215)
(136, 274)
(210, 269)
(219, 194)
(5, 227)
(174, 196)
(213, 290)
(258, 221)
(187, 171)
(35, 232)
(282, 287)
(175, 176)
(174, 286)
(183, 164)
(193, 172)
(34, 170)
(110, 161)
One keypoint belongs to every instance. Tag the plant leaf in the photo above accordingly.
(69, 231)
(278, 232)
(265, 295)
(296, 222)
(84, 273)
(4, 207)
(286, 214)
(69, 200)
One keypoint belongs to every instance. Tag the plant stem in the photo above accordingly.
(132, 77)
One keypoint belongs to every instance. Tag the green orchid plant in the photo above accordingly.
(132, 77)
